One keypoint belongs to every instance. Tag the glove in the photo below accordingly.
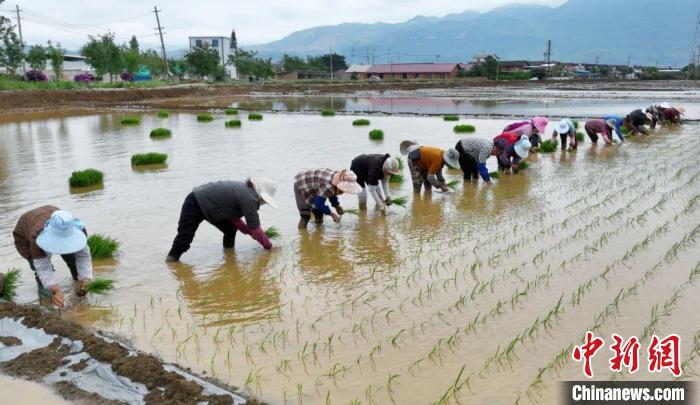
(339, 210)
(388, 201)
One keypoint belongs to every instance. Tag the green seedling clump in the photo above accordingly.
(495, 175)
(352, 211)
(102, 246)
(580, 137)
(451, 117)
(575, 124)
(10, 284)
(466, 128)
(233, 124)
(231, 111)
(204, 117)
(548, 146)
(152, 158)
(453, 184)
(161, 133)
(85, 178)
(255, 117)
(163, 114)
(624, 130)
(99, 286)
(400, 201)
(131, 121)
(376, 134)
(272, 232)
(327, 113)
(523, 165)
(360, 122)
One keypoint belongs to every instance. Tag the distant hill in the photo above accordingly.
(649, 31)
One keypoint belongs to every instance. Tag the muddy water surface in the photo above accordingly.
(374, 309)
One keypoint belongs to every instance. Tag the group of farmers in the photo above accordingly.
(232, 206)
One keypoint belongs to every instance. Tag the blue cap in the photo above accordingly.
(62, 234)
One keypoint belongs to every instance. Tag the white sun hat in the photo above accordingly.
(391, 165)
(522, 147)
(266, 189)
(63, 234)
(563, 127)
(451, 157)
(408, 146)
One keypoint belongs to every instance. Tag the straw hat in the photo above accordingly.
(346, 181)
(407, 147)
(681, 110)
(391, 165)
(266, 189)
(540, 123)
(522, 147)
(451, 157)
(563, 127)
(62, 234)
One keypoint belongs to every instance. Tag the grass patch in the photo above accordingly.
(206, 117)
(450, 117)
(360, 122)
(131, 120)
(400, 201)
(466, 128)
(495, 175)
(10, 284)
(580, 137)
(376, 134)
(548, 146)
(85, 178)
(272, 232)
(152, 158)
(453, 184)
(255, 117)
(100, 286)
(327, 113)
(163, 114)
(233, 124)
(161, 133)
(231, 111)
(102, 246)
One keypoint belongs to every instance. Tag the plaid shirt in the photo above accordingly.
(477, 148)
(312, 183)
(29, 226)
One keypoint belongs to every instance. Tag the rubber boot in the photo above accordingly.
(229, 241)
(304, 220)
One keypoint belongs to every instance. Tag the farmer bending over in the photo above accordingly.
(512, 150)
(617, 127)
(224, 204)
(473, 153)
(370, 170)
(44, 231)
(313, 187)
(534, 129)
(565, 129)
(636, 120)
(598, 126)
(426, 163)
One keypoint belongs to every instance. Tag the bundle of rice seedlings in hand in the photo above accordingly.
(360, 122)
(153, 158)
(233, 124)
(624, 130)
(161, 133)
(204, 117)
(85, 178)
(163, 114)
(453, 184)
(466, 128)
(352, 211)
(450, 117)
(523, 165)
(100, 286)
(10, 284)
(231, 111)
(272, 232)
(131, 121)
(580, 137)
(102, 246)
(400, 201)
(327, 113)
(548, 146)
(376, 134)
(495, 175)
(255, 117)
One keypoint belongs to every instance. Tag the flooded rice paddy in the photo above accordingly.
(474, 296)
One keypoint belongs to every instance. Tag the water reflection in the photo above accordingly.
(372, 240)
(324, 259)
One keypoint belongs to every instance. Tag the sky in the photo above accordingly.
(71, 21)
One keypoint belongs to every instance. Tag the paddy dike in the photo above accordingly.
(39, 345)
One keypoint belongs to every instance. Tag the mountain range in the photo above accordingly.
(648, 32)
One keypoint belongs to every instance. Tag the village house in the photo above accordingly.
(405, 71)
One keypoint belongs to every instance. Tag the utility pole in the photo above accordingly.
(549, 53)
(695, 54)
(162, 44)
(628, 60)
(367, 53)
(21, 41)
(596, 60)
(330, 56)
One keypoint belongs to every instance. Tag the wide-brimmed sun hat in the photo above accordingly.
(266, 189)
(681, 110)
(540, 123)
(346, 181)
(563, 127)
(451, 157)
(649, 116)
(611, 123)
(63, 234)
(391, 165)
(665, 104)
(522, 147)
(408, 146)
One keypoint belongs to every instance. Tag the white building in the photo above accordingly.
(223, 46)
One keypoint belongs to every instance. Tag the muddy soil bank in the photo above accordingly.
(193, 95)
(71, 341)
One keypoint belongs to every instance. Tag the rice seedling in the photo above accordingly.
(272, 232)
(152, 158)
(548, 146)
(233, 124)
(580, 137)
(10, 284)
(85, 178)
(231, 111)
(360, 122)
(624, 130)
(255, 116)
(466, 128)
(376, 134)
(205, 117)
(523, 165)
(576, 124)
(450, 117)
(163, 114)
(453, 184)
(102, 246)
(161, 133)
(495, 175)
(327, 113)
(100, 286)
(352, 211)
(130, 120)
(401, 201)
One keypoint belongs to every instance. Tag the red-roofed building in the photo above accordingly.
(409, 71)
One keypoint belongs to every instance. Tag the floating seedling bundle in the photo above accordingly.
(131, 120)
(161, 133)
(548, 146)
(163, 114)
(152, 158)
(102, 246)
(360, 122)
(327, 113)
(255, 117)
(376, 134)
(451, 117)
(9, 285)
(495, 175)
(99, 286)
(580, 137)
(85, 178)
(205, 117)
(231, 111)
(233, 124)
(466, 128)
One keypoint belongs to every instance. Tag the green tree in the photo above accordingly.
(36, 57)
(11, 52)
(203, 61)
(323, 62)
(103, 54)
(132, 59)
(291, 63)
(134, 44)
(248, 64)
(152, 60)
(57, 56)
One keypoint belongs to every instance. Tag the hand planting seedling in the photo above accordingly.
(360, 122)
(163, 114)
(327, 113)
(102, 246)
(85, 178)
(205, 117)
(466, 128)
(495, 175)
(451, 117)
(231, 111)
(233, 124)
(523, 165)
(131, 121)
(153, 158)
(255, 117)
(548, 146)
(272, 232)
(376, 134)
(161, 133)
(10, 283)
(99, 286)
(453, 184)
